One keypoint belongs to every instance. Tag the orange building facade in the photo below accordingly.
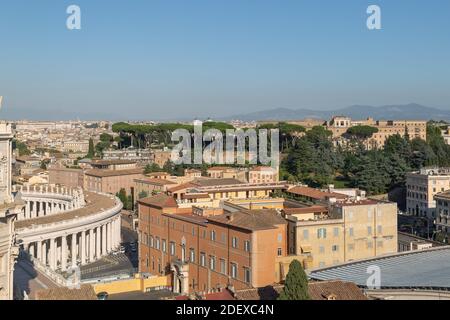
(206, 250)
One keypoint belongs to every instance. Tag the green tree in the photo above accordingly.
(153, 167)
(296, 284)
(143, 194)
(122, 195)
(361, 132)
(91, 152)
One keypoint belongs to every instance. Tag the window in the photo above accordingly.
(247, 245)
(202, 259)
(280, 237)
(380, 229)
(234, 242)
(213, 235)
(351, 247)
(212, 263)
(247, 275)
(279, 252)
(192, 255)
(321, 249)
(234, 270)
(223, 266)
(306, 234)
(369, 245)
(321, 233)
(157, 243)
(335, 248)
(164, 245)
(151, 241)
(369, 213)
(336, 232)
(369, 231)
(172, 248)
(380, 244)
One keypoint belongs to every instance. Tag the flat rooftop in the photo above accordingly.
(415, 269)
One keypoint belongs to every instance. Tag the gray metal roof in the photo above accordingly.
(416, 269)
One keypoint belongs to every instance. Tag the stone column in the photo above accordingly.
(31, 250)
(74, 250)
(28, 210)
(104, 240)
(39, 250)
(53, 254)
(64, 253)
(97, 243)
(33, 210)
(83, 248)
(109, 237)
(91, 245)
(44, 253)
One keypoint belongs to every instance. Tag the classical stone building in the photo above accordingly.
(8, 210)
(413, 128)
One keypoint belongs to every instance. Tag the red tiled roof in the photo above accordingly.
(113, 173)
(315, 193)
(306, 210)
(161, 200)
(155, 181)
(320, 290)
(182, 186)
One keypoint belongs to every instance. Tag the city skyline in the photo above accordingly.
(217, 59)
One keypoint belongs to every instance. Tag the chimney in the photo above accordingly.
(230, 217)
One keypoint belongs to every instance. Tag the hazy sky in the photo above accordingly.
(198, 58)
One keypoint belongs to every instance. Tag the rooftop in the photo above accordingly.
(85, 292)
(320, 290)
(428, 268)
(161, 200)
(95, 203)
(252, 220)
(113, 173)
(315, 193)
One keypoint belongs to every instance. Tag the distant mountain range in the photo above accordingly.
(410, 111)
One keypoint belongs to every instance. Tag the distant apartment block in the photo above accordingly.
(221, 172)
(443, 213)
(66, 176)
(262, 174)
(421, 187)
(111, 181)
(131, 153)
(75, 146)
(414, 129)
(346, 231)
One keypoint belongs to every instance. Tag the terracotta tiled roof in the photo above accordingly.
(250, 219)
(112, 162)
(305, 210)
(315, 193)
(321, 290)
(155, 181)
(113, 173)
(86, 292)
(207, 182)
(182, 186)
(335, 290)
(262, 168)
(161, 200)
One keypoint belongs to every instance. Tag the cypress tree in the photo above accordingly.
(296, 284)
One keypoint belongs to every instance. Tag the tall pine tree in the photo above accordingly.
(296, 284)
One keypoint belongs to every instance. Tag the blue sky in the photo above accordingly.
(208, 58)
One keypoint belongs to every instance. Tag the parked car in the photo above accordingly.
(102, 296)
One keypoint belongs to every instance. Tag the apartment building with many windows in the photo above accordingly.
(421, 187)
(207, 249)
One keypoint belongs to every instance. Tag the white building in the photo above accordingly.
(421, 187)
